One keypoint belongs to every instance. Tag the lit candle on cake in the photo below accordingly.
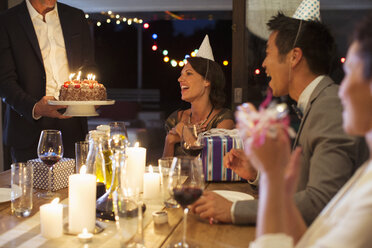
(51, 219)
(78, 76)
(82, 201)
(151, 184)
(136, 166)
(71, 76)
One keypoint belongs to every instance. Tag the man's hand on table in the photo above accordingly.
(237, 161)
(212, 206)
(42, 108)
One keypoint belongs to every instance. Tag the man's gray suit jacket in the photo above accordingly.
(329, 156)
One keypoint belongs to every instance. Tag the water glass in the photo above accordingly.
(127, 206)
(21, 191)
(164, 167)
(81, 153)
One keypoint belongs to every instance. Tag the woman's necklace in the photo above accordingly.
(203, 122)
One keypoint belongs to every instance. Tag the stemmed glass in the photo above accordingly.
(119, 129)
(186, 184)
(50, 151)
(191, 142)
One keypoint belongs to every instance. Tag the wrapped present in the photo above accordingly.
(217, 142)
(59, 176)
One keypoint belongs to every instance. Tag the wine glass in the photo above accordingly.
(186, 184)
(119, 130)
(50, 151)
(191, 143)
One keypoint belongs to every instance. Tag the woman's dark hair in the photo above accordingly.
(363, 35)
(314, 39)
(213, 73)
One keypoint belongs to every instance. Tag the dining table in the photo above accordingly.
(25, 232)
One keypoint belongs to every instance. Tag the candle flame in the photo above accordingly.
(55, 201)
(78, 76)
(151, 170)
(71, 76)
(93, 77)
(89, 77)
(136, 144)
(83, 169)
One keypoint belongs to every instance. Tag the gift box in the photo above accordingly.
(215, 148)
(59, 176)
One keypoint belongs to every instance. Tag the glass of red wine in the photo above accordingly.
(50, 151)
(186, 184)
(191, 143)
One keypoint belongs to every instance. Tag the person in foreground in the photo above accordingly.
(347, 219)
(41, 43)
(298, 59)
(202, 84)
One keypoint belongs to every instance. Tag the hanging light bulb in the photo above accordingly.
(173, 63)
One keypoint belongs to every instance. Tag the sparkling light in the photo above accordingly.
(118, 22)
(225, 62)
(257, 71)
(86, 16)
(180, 64)
(117, 16)
(129, 21)
(343, 60)
(154, 36)
(166, 59)
(108, 20)
(124, 19)
(187, 56)
(98, 24)
(173, 63)
(154, 47)
(140, 21)
(109, 12)
(146, 26)
(165, 52)
(193, 54)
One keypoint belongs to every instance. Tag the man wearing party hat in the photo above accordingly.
(298, 59)
(202, 83)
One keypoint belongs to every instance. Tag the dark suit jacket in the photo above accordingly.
(23, 78)
(329, 156)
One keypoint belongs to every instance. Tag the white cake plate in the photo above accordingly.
(81, 108)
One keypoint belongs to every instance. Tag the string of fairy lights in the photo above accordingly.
(110, 17)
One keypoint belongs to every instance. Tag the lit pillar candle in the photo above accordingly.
(82, 202)
(151, 184)
(136, 163)
(51, 219)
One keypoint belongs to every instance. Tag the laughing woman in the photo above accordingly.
(202, 84)
(347, 219)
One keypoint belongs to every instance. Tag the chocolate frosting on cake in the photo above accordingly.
(87, 90)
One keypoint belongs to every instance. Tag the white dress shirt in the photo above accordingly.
(302, 105)
(52, 47)
(303, 100)
(345, 222)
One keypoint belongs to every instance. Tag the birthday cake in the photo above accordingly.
(86, 90)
